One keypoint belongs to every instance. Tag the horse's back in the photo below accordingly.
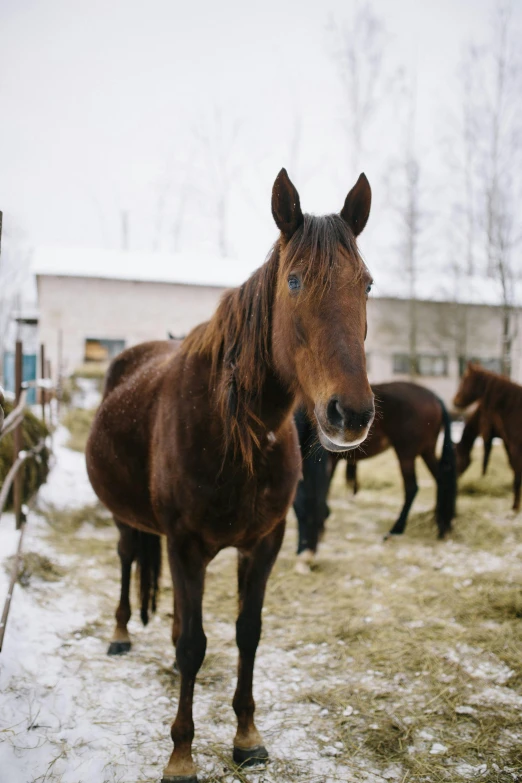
(410, 416)
(135, 360)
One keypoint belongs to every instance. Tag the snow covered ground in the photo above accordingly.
(397, 662)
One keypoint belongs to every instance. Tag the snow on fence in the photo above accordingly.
(13, 423)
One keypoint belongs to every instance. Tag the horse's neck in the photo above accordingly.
(275, 402)
(471, 431)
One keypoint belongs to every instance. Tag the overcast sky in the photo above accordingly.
(102, 104)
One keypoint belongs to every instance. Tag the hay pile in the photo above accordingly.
(34, 472)
(78, 421)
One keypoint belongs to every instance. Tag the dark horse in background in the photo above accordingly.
(408, 419)
(197, 442)
(500, 402)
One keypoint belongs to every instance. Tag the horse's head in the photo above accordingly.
(470, 387)
(319, 312)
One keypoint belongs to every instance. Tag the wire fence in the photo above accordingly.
(13, 423)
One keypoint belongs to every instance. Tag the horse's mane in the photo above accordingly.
(499, 390)
(238, 338)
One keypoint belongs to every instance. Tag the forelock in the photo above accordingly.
(321, 242)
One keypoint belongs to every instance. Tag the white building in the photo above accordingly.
(92, 304)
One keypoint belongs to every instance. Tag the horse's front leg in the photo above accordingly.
(188, 566)
(253, 571)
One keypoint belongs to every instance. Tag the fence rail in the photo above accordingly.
(13, 423)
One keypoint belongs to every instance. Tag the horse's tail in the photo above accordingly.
(149, 570)
(447, 478)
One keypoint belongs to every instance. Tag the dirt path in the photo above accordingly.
(390, 662)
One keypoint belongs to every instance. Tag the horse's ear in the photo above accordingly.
(286, 207)
(357, 205)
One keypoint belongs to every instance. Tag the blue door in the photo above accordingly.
(28, 373)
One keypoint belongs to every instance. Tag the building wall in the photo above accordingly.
(444, 329)
(82, 308)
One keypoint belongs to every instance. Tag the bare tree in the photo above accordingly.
(502, 153)
(494, 196)
(219, 155)
(405, 183)
(358, 51)
(14, 270)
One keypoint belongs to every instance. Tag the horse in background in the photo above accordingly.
(197, 441)
(501, 404)
(408, 419)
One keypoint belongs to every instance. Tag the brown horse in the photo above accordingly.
(198, 443)
(501, 402)
(409, 418)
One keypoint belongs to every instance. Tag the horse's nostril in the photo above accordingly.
(334, 413)
(340, 416)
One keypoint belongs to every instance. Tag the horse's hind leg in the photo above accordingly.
(127, 550)
(253, 572)
(410, 490)
(188, 565)
(517, 470)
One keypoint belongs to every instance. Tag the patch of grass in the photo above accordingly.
(93, 370)
(33, 565)
(68, 521)
(78, 421)
(383, 652)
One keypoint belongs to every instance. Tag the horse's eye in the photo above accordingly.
(368, 288)
(294, 284)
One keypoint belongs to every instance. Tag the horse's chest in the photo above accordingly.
(238, 511)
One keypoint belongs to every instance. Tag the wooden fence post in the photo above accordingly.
(49, 397)
(17, 437)
(42, 376)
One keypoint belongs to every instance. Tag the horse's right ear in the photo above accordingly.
(357, 205)
(286, 207)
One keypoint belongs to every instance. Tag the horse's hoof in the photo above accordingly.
(249, 757)
(305, 561)
(302, 568)
(118, 648)
(179, 779)
(390, 535)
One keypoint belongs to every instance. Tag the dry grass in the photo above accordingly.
(395, 661)
(33, 565)
(69, 521)
(78, 421)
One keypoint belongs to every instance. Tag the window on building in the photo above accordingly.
(401, 363)
(425, 364)
(491, 363)
(102, 350)
(432, 365)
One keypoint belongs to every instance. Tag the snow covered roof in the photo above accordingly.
(147, 267)
(437, 287)
(226, 272)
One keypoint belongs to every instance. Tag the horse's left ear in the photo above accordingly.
(357, 205)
